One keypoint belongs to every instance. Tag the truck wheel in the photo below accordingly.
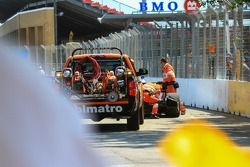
(142, 114)
(133, 122)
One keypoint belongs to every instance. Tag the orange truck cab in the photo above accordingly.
(109, 86)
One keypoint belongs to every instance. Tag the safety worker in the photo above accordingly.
(109, 81)
(112, 76)
(168, 76)
(77, 81)
(105, 80)
(150, 97)
(77, 76)
(112, 81)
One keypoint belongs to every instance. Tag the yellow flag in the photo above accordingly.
(200, 144)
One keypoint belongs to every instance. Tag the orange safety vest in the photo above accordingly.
(105, 82)
(106, 78)
(148, 98)
(169, 77)
(167, 67)
(112, 78)
(77, 78)
(155, 108)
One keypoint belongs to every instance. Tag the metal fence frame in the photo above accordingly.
(188, 44)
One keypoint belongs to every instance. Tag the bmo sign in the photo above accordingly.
(190, 6)
(159, 7)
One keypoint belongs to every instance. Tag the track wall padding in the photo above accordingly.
(239, 98)
(204, 93)
(220, 95)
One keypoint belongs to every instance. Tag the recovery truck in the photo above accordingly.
(104, 85)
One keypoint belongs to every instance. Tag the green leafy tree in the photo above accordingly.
(230, 3)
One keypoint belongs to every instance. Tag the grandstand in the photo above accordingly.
(77, 16)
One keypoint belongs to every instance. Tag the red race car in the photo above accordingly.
(161, 103)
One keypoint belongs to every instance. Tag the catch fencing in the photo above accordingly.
(213, 44)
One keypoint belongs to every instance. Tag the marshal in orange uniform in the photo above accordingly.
(151, 98)
(168, 76)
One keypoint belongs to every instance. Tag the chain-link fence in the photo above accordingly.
(212, 44)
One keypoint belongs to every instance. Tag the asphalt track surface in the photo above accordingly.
(122, 148)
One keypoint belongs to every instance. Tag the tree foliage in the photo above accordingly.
(230, 3)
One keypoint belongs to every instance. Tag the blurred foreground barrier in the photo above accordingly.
(198, 143)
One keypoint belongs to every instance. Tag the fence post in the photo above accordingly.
(45, 58)
(63, 47)
(235, 42)
(194, 47)
(204, 50)
(182, 54)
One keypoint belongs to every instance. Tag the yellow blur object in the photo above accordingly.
(199, 144)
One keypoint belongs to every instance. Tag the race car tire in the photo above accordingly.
(175, 112)
(171, 108)
(142, 114)
(174, 95)
(133, 123)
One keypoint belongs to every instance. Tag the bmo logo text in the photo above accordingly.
(190, 6)
(159, 6)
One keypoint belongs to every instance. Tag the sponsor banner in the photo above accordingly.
(102, 109)
(190, 6)
(159, 6)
